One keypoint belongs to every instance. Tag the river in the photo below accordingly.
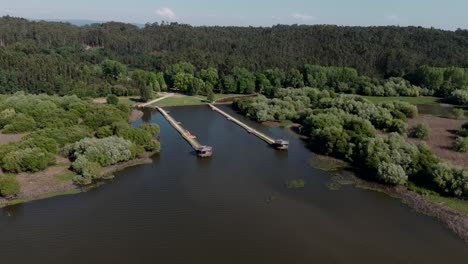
(232, 208)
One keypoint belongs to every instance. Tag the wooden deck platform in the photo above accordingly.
(193, 142)
(249, 129)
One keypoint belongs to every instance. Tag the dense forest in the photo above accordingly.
(122, 59)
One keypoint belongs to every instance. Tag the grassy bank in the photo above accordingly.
(181, 100)
(428, 100)
(45, 196)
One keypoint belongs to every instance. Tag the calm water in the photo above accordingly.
(181, 209)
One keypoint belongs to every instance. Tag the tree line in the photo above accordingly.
(373, 51)
(121, 59)
(344, 126)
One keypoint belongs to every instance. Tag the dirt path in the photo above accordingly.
(156, 100)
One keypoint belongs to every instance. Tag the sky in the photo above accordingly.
(445, 14)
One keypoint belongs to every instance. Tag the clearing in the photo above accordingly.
(442, 137)
(8, 138)
(180, 99)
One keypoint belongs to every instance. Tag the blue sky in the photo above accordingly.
(447, 14)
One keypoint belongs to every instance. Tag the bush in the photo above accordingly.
(461, 144)
(458, 113)
(460, 97)
(105, 151)
(451, 180)
(39, 141)
(392, 174)
(88, 170)
(62, 136)
(20, 123)
(112, 99)
(140, 136)
(29, 159)
(463, 132)
(153, 146)
(420, 131)
(9, 185)
(105, 131)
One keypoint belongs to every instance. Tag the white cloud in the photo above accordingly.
(8, 11)
(393, 18)
(166, 13)
(303, 16)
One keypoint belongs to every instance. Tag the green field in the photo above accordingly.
(66, 176)
(454, 203)
(128, 100)
(180, 100)
(427, 100)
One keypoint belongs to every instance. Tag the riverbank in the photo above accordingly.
(452, 212)
(58, 181)
(455, 218)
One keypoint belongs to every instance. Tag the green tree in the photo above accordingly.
(295, 79)
(112, 99)
(113, 69)
(9, 185)
(210, 95)
(146, 93)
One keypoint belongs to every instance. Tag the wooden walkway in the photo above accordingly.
(253, 131)
(155, 100)
(193, 142)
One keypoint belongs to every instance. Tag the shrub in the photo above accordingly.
(463, 132)
(460, 97)
(461, 144)
(105, 131)
(88, 170)
(392, 174)
(140, 136)
(20, 123)
(112, 99)
(105, 151)
(153, 146)
(420, 131)
(39, 141)
(458, 113)
(9, 185)
(153, 129)
(29, 159)
(64, 135)
(451, 180)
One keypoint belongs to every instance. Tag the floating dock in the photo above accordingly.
(277, 143)
(202, 151)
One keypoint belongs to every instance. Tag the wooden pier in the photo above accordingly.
(278, 143)
(202, 151)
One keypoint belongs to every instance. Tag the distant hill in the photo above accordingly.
(82, 22)
(374, 51)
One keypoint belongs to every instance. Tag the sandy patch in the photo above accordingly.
(100, 100)
(44, 182)
(7, 138)
(135, 115)
(442, 137)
